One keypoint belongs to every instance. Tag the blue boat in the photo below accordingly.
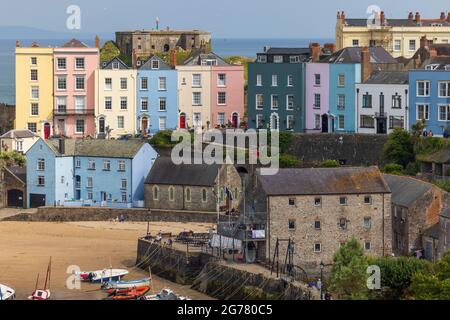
(126, 284)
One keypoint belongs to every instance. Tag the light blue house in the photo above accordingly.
(429, 95)
(157, 96)
(107, 173)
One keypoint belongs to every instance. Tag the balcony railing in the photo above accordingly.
(69, 112)
(380, 114)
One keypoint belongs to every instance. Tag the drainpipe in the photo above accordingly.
(406, 110)
(268, 226)
(357, 110)
(383, 252)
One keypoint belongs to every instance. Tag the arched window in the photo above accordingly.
(204, 195)
(171, 193)
(155, 193)
(188, 194)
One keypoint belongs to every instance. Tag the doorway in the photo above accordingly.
(235, 120)
(144, 125)
(381, 125)
(182, 121)
(15, 198)
(325, 123)
(47, 130)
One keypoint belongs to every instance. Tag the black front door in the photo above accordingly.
(37, 200)
(15, 198)
(381, 126)
(324, 123)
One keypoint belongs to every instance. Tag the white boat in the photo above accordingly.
(43, 294)
(165, 295)
(126, 284)
(6, 293)
(101, 276)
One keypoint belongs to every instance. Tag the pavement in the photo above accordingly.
(10, 212)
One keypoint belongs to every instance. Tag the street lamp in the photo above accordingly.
(322, 265)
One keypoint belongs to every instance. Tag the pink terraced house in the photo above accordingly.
(227, 95)
(74, 69)
(317, 97)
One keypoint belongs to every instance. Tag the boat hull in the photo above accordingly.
(7, 293)
(126, 284)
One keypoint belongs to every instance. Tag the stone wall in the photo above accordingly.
(105, 214)
(354, 149)
(7, 117)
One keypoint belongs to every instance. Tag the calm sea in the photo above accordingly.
(223, 47)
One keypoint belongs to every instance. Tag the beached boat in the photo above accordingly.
(7, 293)
(126, 284)
(104, 275)
(43, 294)
(128, 294)
(165, 295)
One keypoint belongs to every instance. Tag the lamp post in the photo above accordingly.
(322, 265)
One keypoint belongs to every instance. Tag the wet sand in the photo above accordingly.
(25, 249)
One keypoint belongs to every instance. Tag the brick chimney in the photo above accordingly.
(411, 16)
(382, 18)
(442, 16)
(417, 18)
(173, 56)
(365, 64)
(134, 59)
(343, 16)
(17, 44)
(448, 17)
(315, 52)
(338, 15)
(423, 42)
(330, 46)
(97, 42)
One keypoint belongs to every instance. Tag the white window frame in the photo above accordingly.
(61, 78)
(289, 119)
(272, 107)
(34, 97)
(257, 106)
(259, 80)
(288, 107)
(123, 81)
(57, 63)
(197, 80)
(274, 80)
(222, 82)
(399, 42)
(32, 106)
(341, 116)
(446, 89)
(290, 80)
(142, 81)
(194, 95)
(120, 122)
(415, 45)
(121, 166)
(108, 99)
(144, 99)
(162, 84)
(76, 126)
(160, 100)
(277, 59)
(426, 88)
(110, 86)
(426, 111)
(123, 103)
(218, 98)
(76, 63)
(77, 77)
(447, 112)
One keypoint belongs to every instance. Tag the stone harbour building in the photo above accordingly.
(320, 209)
(148, 42)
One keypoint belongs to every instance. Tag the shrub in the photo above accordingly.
(412, 168)
(393, 168)
(285, 141)
(162, 140)
(330, 164)
(445, 185)
(289, 161)
(399, 148)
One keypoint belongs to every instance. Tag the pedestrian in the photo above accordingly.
(319, 284)
(425, 133)
(430, 133)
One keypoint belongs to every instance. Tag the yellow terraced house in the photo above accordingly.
(400, 37)
(34, 89)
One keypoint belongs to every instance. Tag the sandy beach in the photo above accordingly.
(25, 249)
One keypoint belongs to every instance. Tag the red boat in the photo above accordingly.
(43, 294)
(127, 294)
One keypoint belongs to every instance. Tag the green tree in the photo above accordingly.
(12, 158)
(109, 51)
(349, 274)
(330, 164)
(399, 148)
(289, 161)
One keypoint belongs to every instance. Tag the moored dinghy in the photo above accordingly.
(165, 295)
(43, 294)
(126, 284)
(7, 293)
(104, 275)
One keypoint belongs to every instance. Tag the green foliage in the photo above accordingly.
(348, 276)
(289, 161)
(181, 56)
(412, 168)
(434, 285)
(445, 185)
(285, 141)
(109, 51)
(397, 273)
(429, 145)
(399, 148)
(163, 139)
(12, 158)
(393, 168)
(330, 164)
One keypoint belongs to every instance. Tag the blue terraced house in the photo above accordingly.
(107, 173)
(157, 96)
(429, 95)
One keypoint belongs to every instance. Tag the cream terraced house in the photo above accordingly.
(400, 37)
(115, 96)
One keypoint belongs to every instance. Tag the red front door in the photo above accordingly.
(183, 121)
(46, 131)
(235, 120)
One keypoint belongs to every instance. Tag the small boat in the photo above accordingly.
(101, 276)
(127, 290)
(128, 294)
(6, 293)
(43, 294)
(126, 284)
(165, 295)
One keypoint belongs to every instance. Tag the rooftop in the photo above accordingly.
(164, 171)
(325, 181)
(74, 43)
(397, 22)
(19, 172)
(441, 156)
(388, 77)
(196, 59)
(288, 51)
(353, 55)
(18, 134)
(97, 148)
(165, 32)
(406, 190)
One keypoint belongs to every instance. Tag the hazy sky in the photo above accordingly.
(224, 18)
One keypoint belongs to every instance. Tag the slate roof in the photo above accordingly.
(446, 213)
(440, 61)
(164, 171)
(396, 22)
(196, 59)
(388, 77)
(353, 55)
(289, 51)
(19, 172)
(324, 181)
(147, 65)
(405, 190)
(18, 134)
(74, 43)
(98, 148)
(109, 65)
(441, 156)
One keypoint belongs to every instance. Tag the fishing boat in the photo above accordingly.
(128, 294)
(43, 294)
(6, 293)
(165, 295)
(126, 284)
(101, 276)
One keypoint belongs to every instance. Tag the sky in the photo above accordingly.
(225, 19)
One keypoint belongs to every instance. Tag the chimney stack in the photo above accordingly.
(330, 46)
(315, 52)
(134, 59)
(338, 15)
(442, 16)
(97, 42)
(382, 18)
(62, 145)
(411, 16)
(173, 55)
(17, 44)
(417, 19)
(343, 16)
(365, 64)
(448, 17)
(423, 42)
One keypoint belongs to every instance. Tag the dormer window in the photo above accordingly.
(209, 62)
(278, 59)
(138, 63)
(115, 65)
(262, 58)
(294, 59)
(155, 64)
(431, 67)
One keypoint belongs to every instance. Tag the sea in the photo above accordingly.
(224, 47)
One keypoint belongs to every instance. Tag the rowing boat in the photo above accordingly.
(126, 284)
(165, 294)
(101, 276)
(7, 293)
